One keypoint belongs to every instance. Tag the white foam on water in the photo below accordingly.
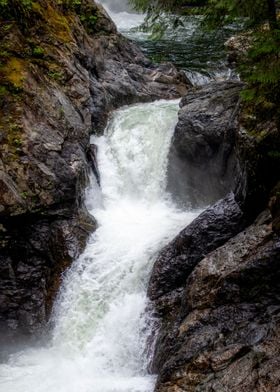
(101, 326)
(123, 17)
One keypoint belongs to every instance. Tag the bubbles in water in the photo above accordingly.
(122, 14)
(101, 325)
(116, 5)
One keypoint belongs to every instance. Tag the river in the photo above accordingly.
(101, 327)
(201, 54)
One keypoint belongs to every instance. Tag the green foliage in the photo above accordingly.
(89, 21)
(261, 68)
(166, 5)
(157, 21)
(3, 94)
(56, 75)
(84, 9)
(72, 5)
(225, 11)
(261, 71)
(215, 12)
(16, 9)
(38, 52)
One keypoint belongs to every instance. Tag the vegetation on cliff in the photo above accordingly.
(260, 68)
(37, 39)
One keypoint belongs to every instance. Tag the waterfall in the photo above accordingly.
(116, 6)
(122, 14)
(101, 326)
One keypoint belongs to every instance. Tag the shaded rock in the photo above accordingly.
(226, 336)
(209, 230)
(92, 154)
(258, 166)
(217, 273)
(202, 161)
(274, 206)
(34, 253)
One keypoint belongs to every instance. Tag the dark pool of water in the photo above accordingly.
(201, 54)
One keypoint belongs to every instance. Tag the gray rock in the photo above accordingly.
(202, 160)
(226, 336)
(216, 294)
(211, 229)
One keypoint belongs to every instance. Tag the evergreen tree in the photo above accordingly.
(216, 11)
(261, 68)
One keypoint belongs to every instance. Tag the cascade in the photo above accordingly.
(122, 15)
(99, 342)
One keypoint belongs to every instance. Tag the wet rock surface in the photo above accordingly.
(35, 252)
(209, 230)
(226, 336)
(61, 81)
(215, 288)
(202, 157)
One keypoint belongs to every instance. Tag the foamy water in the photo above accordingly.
(101, 323)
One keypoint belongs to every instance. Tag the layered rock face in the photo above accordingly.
(63, 69)
(215, 287)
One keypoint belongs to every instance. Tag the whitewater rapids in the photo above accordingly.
(101, 327)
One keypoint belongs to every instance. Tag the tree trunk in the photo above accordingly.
(272, 16)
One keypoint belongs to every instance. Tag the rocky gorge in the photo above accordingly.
(214, 288)
(60, 79)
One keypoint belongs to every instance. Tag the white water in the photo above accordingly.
(99, 340)
(124, 18)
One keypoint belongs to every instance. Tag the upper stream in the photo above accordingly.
(200, 54)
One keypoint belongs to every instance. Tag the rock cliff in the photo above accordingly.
(202, 160)
(215, 287)
(64, 67)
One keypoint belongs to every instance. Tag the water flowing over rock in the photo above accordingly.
(67, 80)
(100, 324)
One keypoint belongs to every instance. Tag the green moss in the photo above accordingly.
(56, 75)
(86, 10)
(4, 53)
(14, 72)
(3, 94)
(57, 24)
(24, 195)
(6, 27)
(38, 52)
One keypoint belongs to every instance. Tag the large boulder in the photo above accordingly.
(227, 331)
(211, 229)
(202, 161)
